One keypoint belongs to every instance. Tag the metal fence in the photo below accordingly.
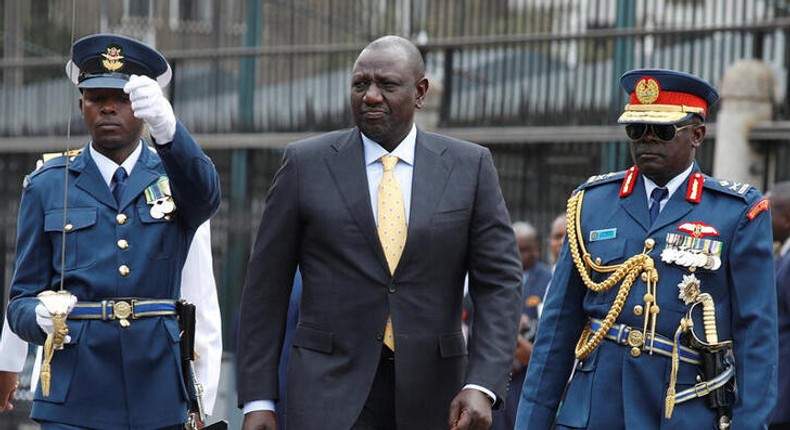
(493, 63)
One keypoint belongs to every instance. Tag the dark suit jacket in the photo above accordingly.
(318, 215)
(782, 411)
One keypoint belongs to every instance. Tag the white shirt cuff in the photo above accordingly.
(258, 405)
(485, 391)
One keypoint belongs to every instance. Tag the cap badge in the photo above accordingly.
(112, 58)
(647, 90)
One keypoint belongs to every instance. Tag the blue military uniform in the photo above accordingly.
(712, 236)
(119, 370)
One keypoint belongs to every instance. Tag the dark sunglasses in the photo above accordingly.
(665, 132)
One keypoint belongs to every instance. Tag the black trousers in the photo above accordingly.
(379, 410)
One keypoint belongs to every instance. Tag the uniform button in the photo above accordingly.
(123, 244)
(638, 310)
(120, 218)
(379, 336)
(124, 270)
(68, 227)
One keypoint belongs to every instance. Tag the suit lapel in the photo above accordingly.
(429, 180)
(347, 168)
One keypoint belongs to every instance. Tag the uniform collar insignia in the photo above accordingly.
(694, 188)
(629, 181)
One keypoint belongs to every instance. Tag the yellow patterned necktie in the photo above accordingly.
(391, 217)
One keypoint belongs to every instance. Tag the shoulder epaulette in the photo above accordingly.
(602, 179)
(49, 161)
(738, 189)
(47, 156)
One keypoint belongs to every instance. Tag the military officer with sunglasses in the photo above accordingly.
(661, 310)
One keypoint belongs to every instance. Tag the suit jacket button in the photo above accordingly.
(379, 337)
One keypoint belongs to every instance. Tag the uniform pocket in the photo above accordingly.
(156, 227)
(80, 236)
(578, 399)
(64, 362)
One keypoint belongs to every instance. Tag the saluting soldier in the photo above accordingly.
(130, 215)
(663, 295)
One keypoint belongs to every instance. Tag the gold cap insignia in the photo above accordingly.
(647, 90)
(112, 58)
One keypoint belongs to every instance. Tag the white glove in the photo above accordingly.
(44, 318)
(149, 104)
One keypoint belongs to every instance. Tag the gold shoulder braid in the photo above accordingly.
(626, 272)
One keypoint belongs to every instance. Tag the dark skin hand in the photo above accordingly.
(9, 382)
(470, 410)
(260, 420)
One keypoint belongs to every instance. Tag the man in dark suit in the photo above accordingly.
(332, 204)
(780, 224)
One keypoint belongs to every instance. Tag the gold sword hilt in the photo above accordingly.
(58, 304)
(709, 319)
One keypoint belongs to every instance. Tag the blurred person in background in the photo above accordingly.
(536, 277)
(780, 223)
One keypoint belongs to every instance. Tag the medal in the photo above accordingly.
(692, 252)
(159, 196)
(156, 212)
(167, 205)
(689, 289)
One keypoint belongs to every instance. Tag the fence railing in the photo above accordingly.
(533, 79)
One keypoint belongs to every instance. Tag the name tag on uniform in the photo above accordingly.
(605, 234)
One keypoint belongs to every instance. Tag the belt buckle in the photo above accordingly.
(636, 340)
(702, 387)
(123, 311)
